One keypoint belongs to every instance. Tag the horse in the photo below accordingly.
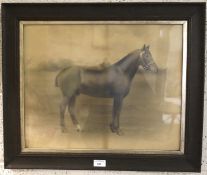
(113, 81)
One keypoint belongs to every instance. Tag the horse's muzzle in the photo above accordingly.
(153, 68)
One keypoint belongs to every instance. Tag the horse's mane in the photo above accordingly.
(119, 62)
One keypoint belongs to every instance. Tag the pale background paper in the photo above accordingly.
(41, 172)
(153, 101)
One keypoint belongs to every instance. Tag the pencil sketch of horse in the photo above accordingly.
(113, 81)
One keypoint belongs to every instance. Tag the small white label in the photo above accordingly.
(99, 163)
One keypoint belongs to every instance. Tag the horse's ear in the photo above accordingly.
(147, 47)
(144, 47)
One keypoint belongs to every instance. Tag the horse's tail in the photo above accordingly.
(57, 82)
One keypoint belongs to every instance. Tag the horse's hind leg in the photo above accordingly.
(71, 109)
(63, 106)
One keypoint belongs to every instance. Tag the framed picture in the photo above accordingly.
(103, 86)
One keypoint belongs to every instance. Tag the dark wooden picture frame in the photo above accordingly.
(194, 13)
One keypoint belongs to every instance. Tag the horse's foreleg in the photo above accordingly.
(71, 109)
(116, 113)
(63, 105)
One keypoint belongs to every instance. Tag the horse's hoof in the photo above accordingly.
(119, 132)
(116, 130)
(78, 128)
(112, 128)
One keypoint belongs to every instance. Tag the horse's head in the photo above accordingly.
(146, 60)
